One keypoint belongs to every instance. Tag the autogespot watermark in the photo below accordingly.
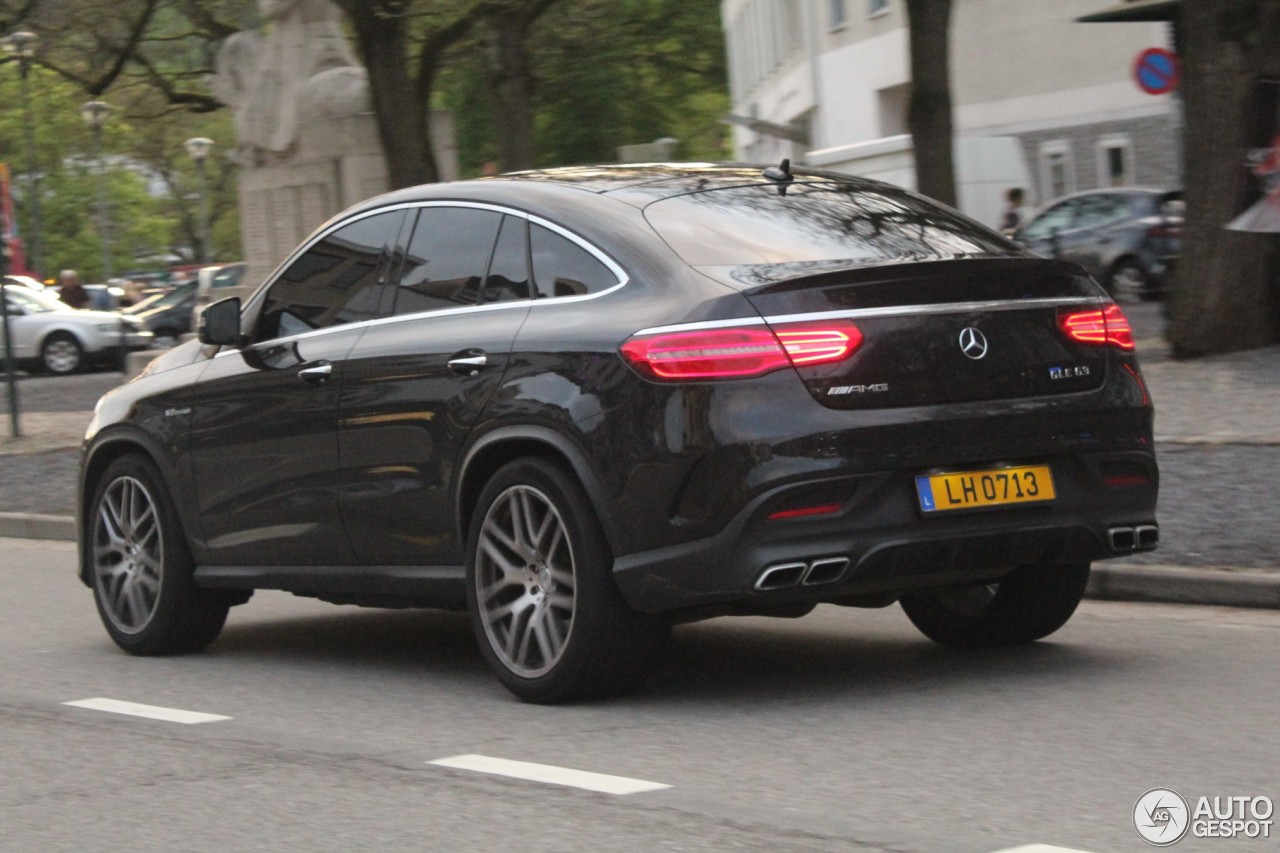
(1163, 817)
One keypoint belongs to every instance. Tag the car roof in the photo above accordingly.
(637, 184)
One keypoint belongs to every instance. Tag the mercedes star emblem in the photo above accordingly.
(973, 343)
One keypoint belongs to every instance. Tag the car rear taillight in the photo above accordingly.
(739, 352)
(1105, 326)
(1167, 231)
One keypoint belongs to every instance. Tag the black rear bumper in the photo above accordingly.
(879, 542)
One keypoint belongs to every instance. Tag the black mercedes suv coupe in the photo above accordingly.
(586, 404)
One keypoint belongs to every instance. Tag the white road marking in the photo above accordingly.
(152, 712)
(601, 782)
(1041, 848)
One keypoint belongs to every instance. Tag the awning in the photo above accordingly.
(1135, 10)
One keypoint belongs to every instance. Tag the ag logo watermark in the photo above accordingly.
(1163, 817)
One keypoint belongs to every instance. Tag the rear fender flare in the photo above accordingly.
(521, 441)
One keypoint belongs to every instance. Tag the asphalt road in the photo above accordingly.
(845, 730)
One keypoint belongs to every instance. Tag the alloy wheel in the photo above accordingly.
(128, 554)
(61, 356)
(525, 581)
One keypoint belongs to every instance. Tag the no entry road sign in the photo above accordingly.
(1157, 71)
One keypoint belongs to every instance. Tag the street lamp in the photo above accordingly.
(95, 112)
(198, 147)
(22, 46)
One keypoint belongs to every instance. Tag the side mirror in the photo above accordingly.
(219, 324)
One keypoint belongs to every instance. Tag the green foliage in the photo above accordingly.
(607, 73)
(142, 152)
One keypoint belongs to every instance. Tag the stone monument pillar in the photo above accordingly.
(306, 137)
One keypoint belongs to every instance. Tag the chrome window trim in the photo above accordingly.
(590, 248)
(891, 311)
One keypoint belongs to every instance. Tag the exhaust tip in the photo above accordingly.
(1148, 536)
(1122, 538)
(826, 570)
(781, 576)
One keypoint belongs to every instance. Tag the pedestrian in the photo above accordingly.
(70, 290)
(1015, 212)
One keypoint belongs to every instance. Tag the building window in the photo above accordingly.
(894, 102)
(1057, 170)
(837, 12)
(1115, 162)
(877, 7)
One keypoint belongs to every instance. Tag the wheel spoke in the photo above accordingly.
(119, 594)
(110, 516)
(547, 520)
(562, 577)
(527, 620)
(489, 592)
(502, 611)
(502, 561)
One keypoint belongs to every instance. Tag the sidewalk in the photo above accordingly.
(1217, 436)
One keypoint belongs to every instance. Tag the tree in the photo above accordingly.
(604, 73)
(929, 115)
(511, 80)
(403, 44)
(1228, 282)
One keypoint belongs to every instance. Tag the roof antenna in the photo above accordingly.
(781, 175)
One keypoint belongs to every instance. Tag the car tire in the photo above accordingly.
(547, 615)
(61, 354)
(141, 567)
(1030, 603)
(1128, 282)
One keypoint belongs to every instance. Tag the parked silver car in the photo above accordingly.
(49, 335)
(1128, 239)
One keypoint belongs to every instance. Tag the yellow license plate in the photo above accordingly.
(996, 487)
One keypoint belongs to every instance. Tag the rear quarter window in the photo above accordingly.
(563, 268)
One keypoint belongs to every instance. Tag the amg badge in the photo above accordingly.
(858, 389)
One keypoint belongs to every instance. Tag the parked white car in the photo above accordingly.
(49, 335)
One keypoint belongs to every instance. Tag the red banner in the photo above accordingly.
(9, 227)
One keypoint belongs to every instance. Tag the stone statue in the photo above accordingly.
(302, 70)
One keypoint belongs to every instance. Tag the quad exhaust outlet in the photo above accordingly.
(1143, 537)
(823, 570)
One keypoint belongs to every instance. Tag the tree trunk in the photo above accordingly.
(511, 82)
(401, 116)
(929, 116)
(1224, 296)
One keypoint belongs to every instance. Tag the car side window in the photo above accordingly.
(338, 280)
(1056, 218)
(508, 277)
(1099, 210)
(448, 254)
(563, 268)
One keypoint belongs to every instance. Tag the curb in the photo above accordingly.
(1167, 584)
(26, 525)
(1179, 585)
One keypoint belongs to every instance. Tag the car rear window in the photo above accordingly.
(815, 221)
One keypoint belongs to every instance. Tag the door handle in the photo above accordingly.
(317, 374)
(468, 362)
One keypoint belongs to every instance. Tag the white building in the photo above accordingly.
(1040, 101)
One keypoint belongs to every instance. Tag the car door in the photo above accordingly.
(1099, 233)
(423, 377)
(264, 443)
(1044, 233)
